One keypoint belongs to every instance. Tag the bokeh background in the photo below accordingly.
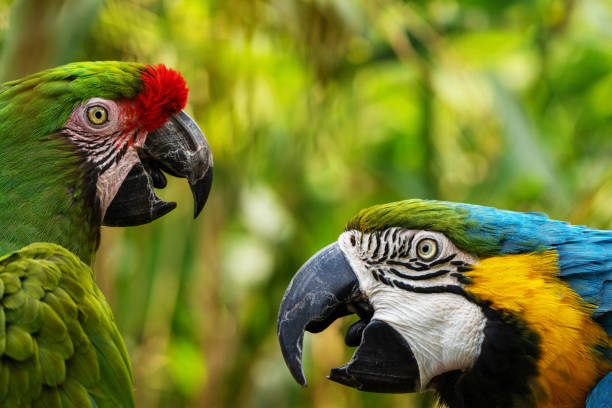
(315, 109)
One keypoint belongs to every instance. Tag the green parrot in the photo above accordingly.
(486, 307)
(81, 146)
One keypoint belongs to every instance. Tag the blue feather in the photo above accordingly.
(601, 396)
(585, 254)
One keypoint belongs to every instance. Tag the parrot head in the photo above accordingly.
(486, 307)
(95, 138)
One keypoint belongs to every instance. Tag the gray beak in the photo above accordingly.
(318, 295)
(178, 148)
(324, 289)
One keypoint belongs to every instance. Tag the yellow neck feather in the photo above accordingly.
(527, 285)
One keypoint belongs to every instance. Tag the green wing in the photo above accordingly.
(59, 345)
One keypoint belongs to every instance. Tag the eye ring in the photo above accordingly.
(97, 115)
(427, 249)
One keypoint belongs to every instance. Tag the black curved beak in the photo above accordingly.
(318, 294)
(324, 289)
(178, 148)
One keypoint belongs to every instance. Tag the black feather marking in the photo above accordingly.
(86, 144)
(443, 260)
(419, 277)
(384, 280)
(385, 234)
(461, 278)
(407, 265)
(107, 152)
(377, 237)
(408, 247)
(106, 162)
(385, 252)
(121, 153)
(458, 290)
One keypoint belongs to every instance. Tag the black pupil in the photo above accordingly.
(98, 114)
(425, 248)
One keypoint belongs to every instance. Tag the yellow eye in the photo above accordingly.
(427, 249)
(97, 115)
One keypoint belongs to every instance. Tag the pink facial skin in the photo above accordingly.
(110, 147)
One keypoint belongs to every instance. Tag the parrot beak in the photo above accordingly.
(324, 289)
(178, 148)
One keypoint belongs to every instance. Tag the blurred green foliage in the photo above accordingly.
(315, 109)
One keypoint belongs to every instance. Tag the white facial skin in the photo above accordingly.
(110, 146)
(444, 330)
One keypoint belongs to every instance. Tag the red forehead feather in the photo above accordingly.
(164, 93)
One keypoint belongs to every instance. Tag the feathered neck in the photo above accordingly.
(44, 195)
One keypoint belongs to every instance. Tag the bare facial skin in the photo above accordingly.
(101, 128)
(408, 276)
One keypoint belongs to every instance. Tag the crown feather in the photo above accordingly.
(164, 93)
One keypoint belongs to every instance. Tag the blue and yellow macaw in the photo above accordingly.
(490, 308)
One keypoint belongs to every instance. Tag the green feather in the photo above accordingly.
(410, 214)
(62, 347)
(439, 216)
(49, 398)
(19, 343)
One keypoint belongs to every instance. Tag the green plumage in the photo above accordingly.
(440, 216)
(410, 214)
(59, 345)
(36, 164)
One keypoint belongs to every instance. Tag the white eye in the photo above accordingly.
(427, 249)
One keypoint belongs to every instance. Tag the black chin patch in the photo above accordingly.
(504, 371)
(383, 362)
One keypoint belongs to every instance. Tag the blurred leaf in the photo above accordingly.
(45, 33)
(530, 165)
(187, 366)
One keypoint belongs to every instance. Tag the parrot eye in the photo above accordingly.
(427, 249)
(97, 114)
